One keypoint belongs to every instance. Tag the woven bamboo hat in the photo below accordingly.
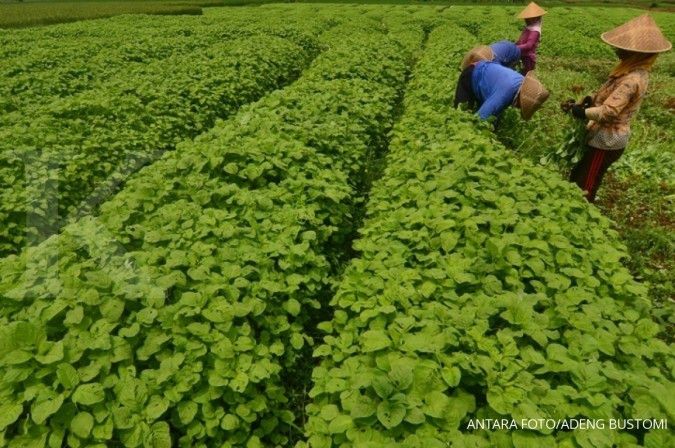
(480, 53)
(640, 34)
(532, 95)
(531, 11)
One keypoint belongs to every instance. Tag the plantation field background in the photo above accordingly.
(24, 13)
(266, 226)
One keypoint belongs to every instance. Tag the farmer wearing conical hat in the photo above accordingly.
(531, 35)
(490, 87)
(637, 43)
(503, 52)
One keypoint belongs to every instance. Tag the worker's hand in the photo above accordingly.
(566, 106)
(579, 111)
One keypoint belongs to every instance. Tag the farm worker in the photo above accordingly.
(529, 38)
(492, 88)
(503, 52)
(637, 43)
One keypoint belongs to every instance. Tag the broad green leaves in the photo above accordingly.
(134, 111)
(89, 394)
(9, 413)
(373, 340)
(175, 315)
(82, 424)
(390, 414)
(483, 288)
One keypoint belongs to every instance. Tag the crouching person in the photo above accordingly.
(503, 52)
(490, 88)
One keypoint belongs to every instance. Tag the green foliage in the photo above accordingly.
(184, 312)
(637, 193)
(68, 154)
(43, 13)
(485, 287)
(172, 315)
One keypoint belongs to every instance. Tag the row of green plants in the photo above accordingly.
(21, 14)
(484, 288)
(64, 157)
(41, 65)
(171, 319)
(637, 194)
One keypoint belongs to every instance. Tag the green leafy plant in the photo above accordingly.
(485, 287)
(170, 318)
(63, 158)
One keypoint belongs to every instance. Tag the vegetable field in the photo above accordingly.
(268, 227)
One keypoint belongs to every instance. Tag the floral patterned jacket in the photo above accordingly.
(614, 105)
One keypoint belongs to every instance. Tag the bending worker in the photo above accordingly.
(503, 52)
(531, 35)
(491, 88)
(637, 44)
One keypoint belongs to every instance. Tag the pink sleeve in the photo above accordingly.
(530, 41)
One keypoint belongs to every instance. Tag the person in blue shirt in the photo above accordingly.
(490, 88)
(503, 52)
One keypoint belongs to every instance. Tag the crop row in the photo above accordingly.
(69, 154)
(172, 317)
(485, 288)
(63, 65)
(43, 64)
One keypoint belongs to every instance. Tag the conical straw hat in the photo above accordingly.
(481, 53)
(532, 10)
(532, 95)
(640, 34)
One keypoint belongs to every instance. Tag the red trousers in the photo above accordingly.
(588, 173)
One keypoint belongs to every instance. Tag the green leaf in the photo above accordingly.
(9, 413)
(435, 404)
(383, 387)
(67, 376)
(25, 333)
(156, 407)
(17, 357)
(427, 289)
(293, 307)
(103, 431)
(82, 424)
(363, 407)
(54, 354)
(401, 375)
(187, 411)
(42, 409)
(230, 422)
(223, 349)
(239, 382)
(415, 416)
(329, 412)
(451, 376)
(390, 414)
(89, 394)
(160, 436)
(373, 340)
(340, 424)
(449, 240)
(297, 341)
(74, 316)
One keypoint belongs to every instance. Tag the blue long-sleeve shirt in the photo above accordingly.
(495, 87)
(506, 52)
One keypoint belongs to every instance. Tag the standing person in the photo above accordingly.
(531, 35)
(503, 52)
(637, 43)
(491, 88)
